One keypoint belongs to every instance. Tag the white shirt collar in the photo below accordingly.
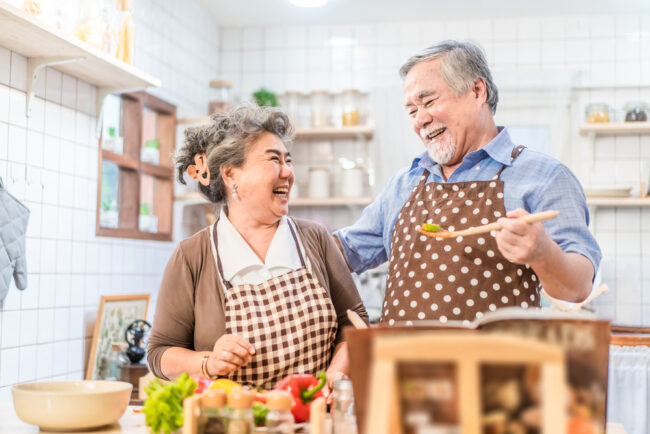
(236, 255)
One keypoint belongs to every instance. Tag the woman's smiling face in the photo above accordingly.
(264, 181)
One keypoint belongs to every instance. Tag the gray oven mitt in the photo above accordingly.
(13, 224)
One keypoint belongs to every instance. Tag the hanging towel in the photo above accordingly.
(13, 224)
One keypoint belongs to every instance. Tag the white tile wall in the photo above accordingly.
(607, 51)
(49, 162)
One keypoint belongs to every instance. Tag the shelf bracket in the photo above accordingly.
(34, 66)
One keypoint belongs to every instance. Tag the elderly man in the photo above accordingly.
(471, 174)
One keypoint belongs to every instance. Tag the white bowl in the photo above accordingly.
(71, 405)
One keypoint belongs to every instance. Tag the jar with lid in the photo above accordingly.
(320, 108)
(350, 107)
(115, 360)
(214, 414)
(343, 419)
(597, 113)
(636, 111)
(126, 31)
(319, 182)
(293, 109)
(222, 101)
(279, 419)
(240, 418)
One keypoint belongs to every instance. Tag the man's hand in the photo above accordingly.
(520, 242)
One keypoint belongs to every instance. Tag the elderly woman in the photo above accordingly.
(257, 295)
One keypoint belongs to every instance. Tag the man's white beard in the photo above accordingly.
(441, 153)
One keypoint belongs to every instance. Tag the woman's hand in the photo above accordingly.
(230, 353)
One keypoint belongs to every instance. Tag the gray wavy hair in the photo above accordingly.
(225, 141)
(462, 62)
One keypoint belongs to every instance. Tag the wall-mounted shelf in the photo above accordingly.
(353, 132)
(619, 202)
(611, 129)
(45, 46)
(196, 199)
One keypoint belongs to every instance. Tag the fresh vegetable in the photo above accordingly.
(202, 384)
(260, 396)
(264, 97)
(225, 385)
(163, 408)
(431, 227)
(304, 388)
(259, 413)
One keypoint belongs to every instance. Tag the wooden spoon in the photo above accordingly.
(356, 320)
(530, 218)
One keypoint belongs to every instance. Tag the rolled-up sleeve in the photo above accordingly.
(570, 230)
(173, 324)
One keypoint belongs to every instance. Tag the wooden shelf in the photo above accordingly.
(156, 170)
(354, 132)
(120, 159)
(613, 128)
(196, 198)
(619, 202)
(43, 45)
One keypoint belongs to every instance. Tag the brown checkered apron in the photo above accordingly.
(453, 279)
(289, 319)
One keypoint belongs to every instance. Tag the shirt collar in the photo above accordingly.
(499, 149)
(236, 255)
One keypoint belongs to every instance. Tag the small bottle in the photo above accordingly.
(343, 420)
(240, 419)
(279, 419)
(125, 31)
(214, 415)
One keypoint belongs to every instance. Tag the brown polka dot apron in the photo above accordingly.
(289, 319)
(459, 278)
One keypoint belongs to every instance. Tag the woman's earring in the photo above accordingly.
(234, 191)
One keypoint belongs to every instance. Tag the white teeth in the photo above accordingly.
(431, 133)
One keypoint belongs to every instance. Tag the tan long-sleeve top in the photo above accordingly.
(190, 307)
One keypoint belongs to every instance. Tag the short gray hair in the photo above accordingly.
(225, 141)
(462, 62)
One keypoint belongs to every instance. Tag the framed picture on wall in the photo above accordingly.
(115, 314)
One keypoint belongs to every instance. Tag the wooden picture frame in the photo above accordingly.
(115, 313)
(466, 351)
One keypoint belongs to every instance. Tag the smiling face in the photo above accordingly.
(264, 181)
(447, 124)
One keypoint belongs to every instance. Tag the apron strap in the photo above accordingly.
(220, 267)
(515, 153)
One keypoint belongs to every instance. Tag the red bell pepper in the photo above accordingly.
(201, 384)
(304, 388)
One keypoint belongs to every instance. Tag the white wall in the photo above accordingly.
(531, 58)
(49, 161)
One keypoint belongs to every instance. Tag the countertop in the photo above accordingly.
(130, 423)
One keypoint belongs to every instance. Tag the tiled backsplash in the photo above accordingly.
(49, 161)
(568, 61)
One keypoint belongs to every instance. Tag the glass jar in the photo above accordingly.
(319, 182)
(292, 105)
(320, 108)
(115, 360)
(636, 111)
(126, 31)
(222, 101)
(343, 419)
(279, 419)
(350, 107)
(214, 415)
(240, 418)
(597, 113)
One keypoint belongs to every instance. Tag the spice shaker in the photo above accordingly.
(343, 420)
(214, 415)
(240, 420)
(279, 419)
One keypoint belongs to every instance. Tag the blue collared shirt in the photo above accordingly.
(534, 182)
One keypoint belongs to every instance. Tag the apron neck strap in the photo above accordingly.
(513, 156)
(220, 266)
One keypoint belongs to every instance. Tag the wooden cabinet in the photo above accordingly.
(135, 189)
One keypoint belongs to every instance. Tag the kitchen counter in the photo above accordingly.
(129, 423)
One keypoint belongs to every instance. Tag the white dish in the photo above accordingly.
(608, 192)
(71, 405)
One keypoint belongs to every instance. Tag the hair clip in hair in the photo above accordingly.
(200, 170)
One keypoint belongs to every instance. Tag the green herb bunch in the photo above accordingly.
(163, 407)
(264, 97)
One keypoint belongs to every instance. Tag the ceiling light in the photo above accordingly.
(308, 3)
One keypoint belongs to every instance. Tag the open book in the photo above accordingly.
(509, 392)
